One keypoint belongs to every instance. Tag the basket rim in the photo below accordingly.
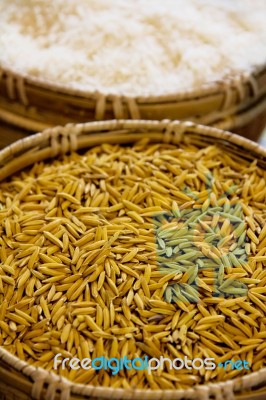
(68, 136)
(206, 89)
(77, 129)
(41, 376)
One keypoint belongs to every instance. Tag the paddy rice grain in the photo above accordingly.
(135, 251)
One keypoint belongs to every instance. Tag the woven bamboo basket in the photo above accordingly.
(237, 103)
(19, 380)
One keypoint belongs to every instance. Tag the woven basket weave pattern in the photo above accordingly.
(36, 104)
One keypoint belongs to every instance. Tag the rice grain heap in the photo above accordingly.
(84, 244)
(133, 47)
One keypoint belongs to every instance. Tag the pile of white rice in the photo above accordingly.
(132, 47)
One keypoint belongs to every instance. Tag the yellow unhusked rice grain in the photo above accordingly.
(81, 275)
